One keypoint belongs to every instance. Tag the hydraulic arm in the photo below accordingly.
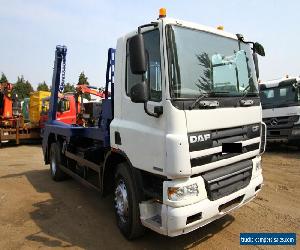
(57, 85)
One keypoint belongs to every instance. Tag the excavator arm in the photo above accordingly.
(86, 89)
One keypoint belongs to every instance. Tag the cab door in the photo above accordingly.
(143, 136)
(68, 114)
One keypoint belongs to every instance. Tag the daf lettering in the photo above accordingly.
(199, 138)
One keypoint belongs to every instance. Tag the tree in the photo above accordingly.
(42, 86)
(204, 82)
(69, 88)
(3, 78)
(83, 80)
(22, 88)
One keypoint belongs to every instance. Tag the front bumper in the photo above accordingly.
(174, 221)
(286, 135)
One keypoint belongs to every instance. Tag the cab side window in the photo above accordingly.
(63, 105)
(66, 104)
(153, 74)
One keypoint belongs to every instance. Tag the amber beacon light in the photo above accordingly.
(162, 12)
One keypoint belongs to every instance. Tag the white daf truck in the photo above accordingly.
(281, 109)
(180, 139)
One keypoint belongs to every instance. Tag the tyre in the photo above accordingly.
(127, 196)
(55, 161)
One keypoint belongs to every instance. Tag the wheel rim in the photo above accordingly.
(121, 201)
(53, 166)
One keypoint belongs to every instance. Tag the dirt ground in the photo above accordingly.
(36, 212)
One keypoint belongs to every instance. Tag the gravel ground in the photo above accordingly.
(36, 212)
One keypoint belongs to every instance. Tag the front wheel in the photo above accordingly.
(127, 197)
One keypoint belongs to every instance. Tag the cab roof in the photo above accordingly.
(284, 81)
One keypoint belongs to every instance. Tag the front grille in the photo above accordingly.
(281, 122)
(214, 138)
(220, 156)
(227, 180)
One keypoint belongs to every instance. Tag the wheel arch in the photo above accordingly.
(111, 161)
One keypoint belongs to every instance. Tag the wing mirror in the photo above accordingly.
(259, 49)
(139, 93)
(137, 54)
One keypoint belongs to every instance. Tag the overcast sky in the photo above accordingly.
(30, 30)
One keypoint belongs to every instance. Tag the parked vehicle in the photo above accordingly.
(66, 112)
(36, 105)
(179, 141)
(72, 109)
(12, 125)
(280, 101)
(6, 104)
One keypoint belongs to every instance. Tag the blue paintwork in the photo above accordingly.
(68, 130)
(108, 104)
(54, 127)
(105, 120)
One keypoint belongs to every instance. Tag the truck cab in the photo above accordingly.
(66, 112)
(180, 139)
(183, 144)
(281, 109)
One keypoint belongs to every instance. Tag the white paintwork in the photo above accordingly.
(197, 26)
(174, 218)
(177, 216)
(201, 120)
(275, 83)
(160, 145)
(177, 161)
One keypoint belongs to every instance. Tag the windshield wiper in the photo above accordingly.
(205, 95)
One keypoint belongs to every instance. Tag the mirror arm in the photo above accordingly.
(150, 113)
(255, 60)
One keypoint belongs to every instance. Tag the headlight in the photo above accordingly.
(179, 193)
(296, 131)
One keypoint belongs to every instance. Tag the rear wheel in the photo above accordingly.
(55, 161)
(127, 196)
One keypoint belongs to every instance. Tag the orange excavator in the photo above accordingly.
(6, 103)
(89, 112)
(10, 110)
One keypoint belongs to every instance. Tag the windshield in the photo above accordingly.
(45, 106)
(202, 62)
(280, 97)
